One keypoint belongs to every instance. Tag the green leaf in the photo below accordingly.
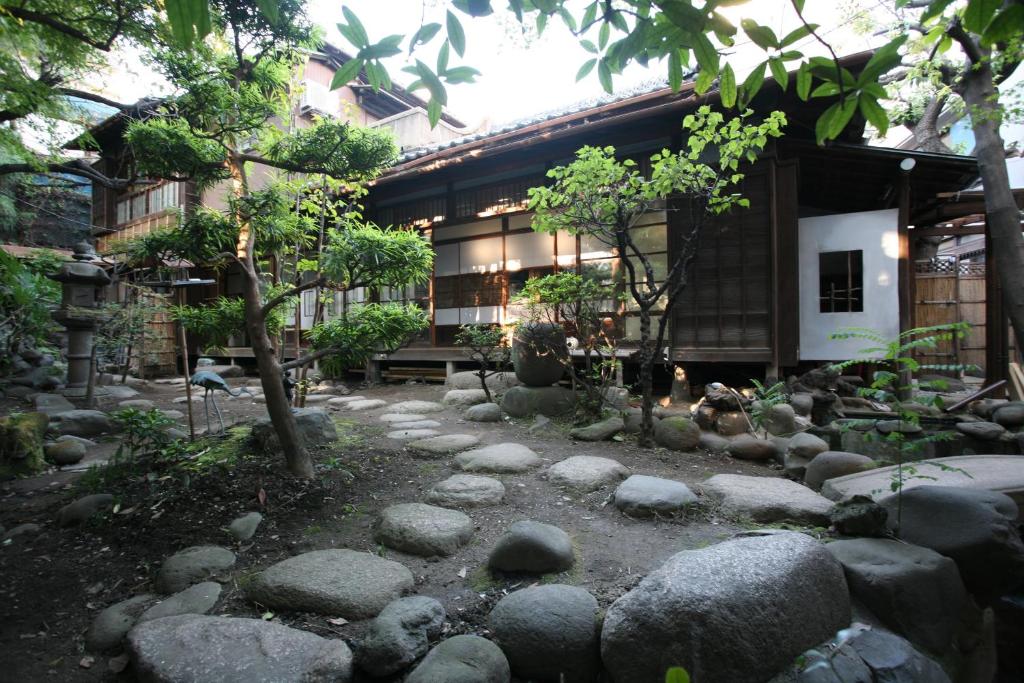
(727, 86)
(360, 37)
(779, 72)
(588, 46)
(824, 123)
(979, 13)
(432, 82)
(677, 674)
(455, 34)
(762, 36)
(752, 84)
(589, 15)
(346, 74)
(873, 112)
(842, 116)
(442, 58)
(936, 8)
(826, 89)
(884, 59)
(803, 82)
(434, 109)
(604, 74)
(705, 79)
(189, 19)
(424, 35)
(474, 8)
(675, 71)
(269, 9)
(603, 34)
(585, 70)
(388, 47)
(707, 55)
(1005, 26)
(796, 34)
(461, 74)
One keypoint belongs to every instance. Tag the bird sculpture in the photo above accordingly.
(211, 382)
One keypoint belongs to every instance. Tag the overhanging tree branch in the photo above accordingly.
(52, 22)
(75, 167)
(275, 301)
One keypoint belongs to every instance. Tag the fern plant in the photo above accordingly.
(765, 398)
(894, 363)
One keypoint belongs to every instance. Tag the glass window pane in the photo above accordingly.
(592, 247)
(480, 256)
(446, 259)
(650, 238)
(566, 248)
(529, 249)
(606, 270)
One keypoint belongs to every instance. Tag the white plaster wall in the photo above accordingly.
(873, 232)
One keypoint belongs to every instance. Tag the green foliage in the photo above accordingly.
(677, 674)
(168, 148)
(143, 433)
(765, 397)
(218, 320)
(368, 329)
(27, 298)
(894, 361)
(338, 149)
(365, 255)
(488, 347)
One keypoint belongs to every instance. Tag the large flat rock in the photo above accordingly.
(417, 407)
(500, 458)
(443, 444)
(768, 499)
(587, 472)
(421, 529)
(1000, 473)
(342, 583)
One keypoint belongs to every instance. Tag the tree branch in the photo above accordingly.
(307, 359)
(956, 31)
(75, 167)
(275, 301)
(61, 27)
(93, 97)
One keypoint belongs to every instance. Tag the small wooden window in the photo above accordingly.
(841, 281)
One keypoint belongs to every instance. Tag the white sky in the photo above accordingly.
(521, 77)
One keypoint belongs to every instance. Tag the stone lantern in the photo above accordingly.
(81, 281)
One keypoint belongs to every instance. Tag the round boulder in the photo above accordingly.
(111, 625)
(915, 591)
(832, 464)
(62, 453)
(732, 423)
(524, 401)
(499, 458)
(422, 529)
(191, 565)
(747, 447)
(738, 611)
(644, 496)
(549, 633)
(532, 547)
(82, 509)
(463, 659)
(443, 444)
(1010, 415)
(587, 472)
(466, 490)
(400, 635)
(779, 419)
(244, 527)
(462, 398)
(197, 599)
(342, 583)
(801, 450)
(677, 433)
(983, 431)
(484, 412)
(974, 528)
(599, 431)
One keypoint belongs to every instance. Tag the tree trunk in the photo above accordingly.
(646, 380)
(1002, 215)
(281, 416)
(927, 136)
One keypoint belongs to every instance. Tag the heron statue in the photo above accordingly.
(211, 382)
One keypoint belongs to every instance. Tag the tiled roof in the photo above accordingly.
(643, 88)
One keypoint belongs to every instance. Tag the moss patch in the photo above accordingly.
(21, 443)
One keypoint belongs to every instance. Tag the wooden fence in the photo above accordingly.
(949, 290)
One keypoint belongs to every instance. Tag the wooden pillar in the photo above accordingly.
(996, 331)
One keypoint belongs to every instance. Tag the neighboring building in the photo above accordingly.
(823, 245)
(119, 215)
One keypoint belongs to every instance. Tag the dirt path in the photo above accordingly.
(57, 580)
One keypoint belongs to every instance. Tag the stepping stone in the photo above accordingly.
(986, 431)
(51, 404)
(414, 407)
(191, 565)
(599, 431)
(1000, 473)
(645, 496)
(586, 472)
(532, 547)
(422, 529)
(63, 453)
(81, 423)
(484, 412)
(832, 464)
(142, 404)
(119, 392)
(400, 417)
(400, 635)
(466, 490)
(245, 526)
(444, 444)
(366, 404)
(463, 398)
(416, 424)
(313, 399)
(341, 583)
(197, 599)
(82, 509)
(193, 647)
(408, 434)
(767, 499)
(184, 399)
(341, 402)
(501, 458)
(172, 414)
(112, 624)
